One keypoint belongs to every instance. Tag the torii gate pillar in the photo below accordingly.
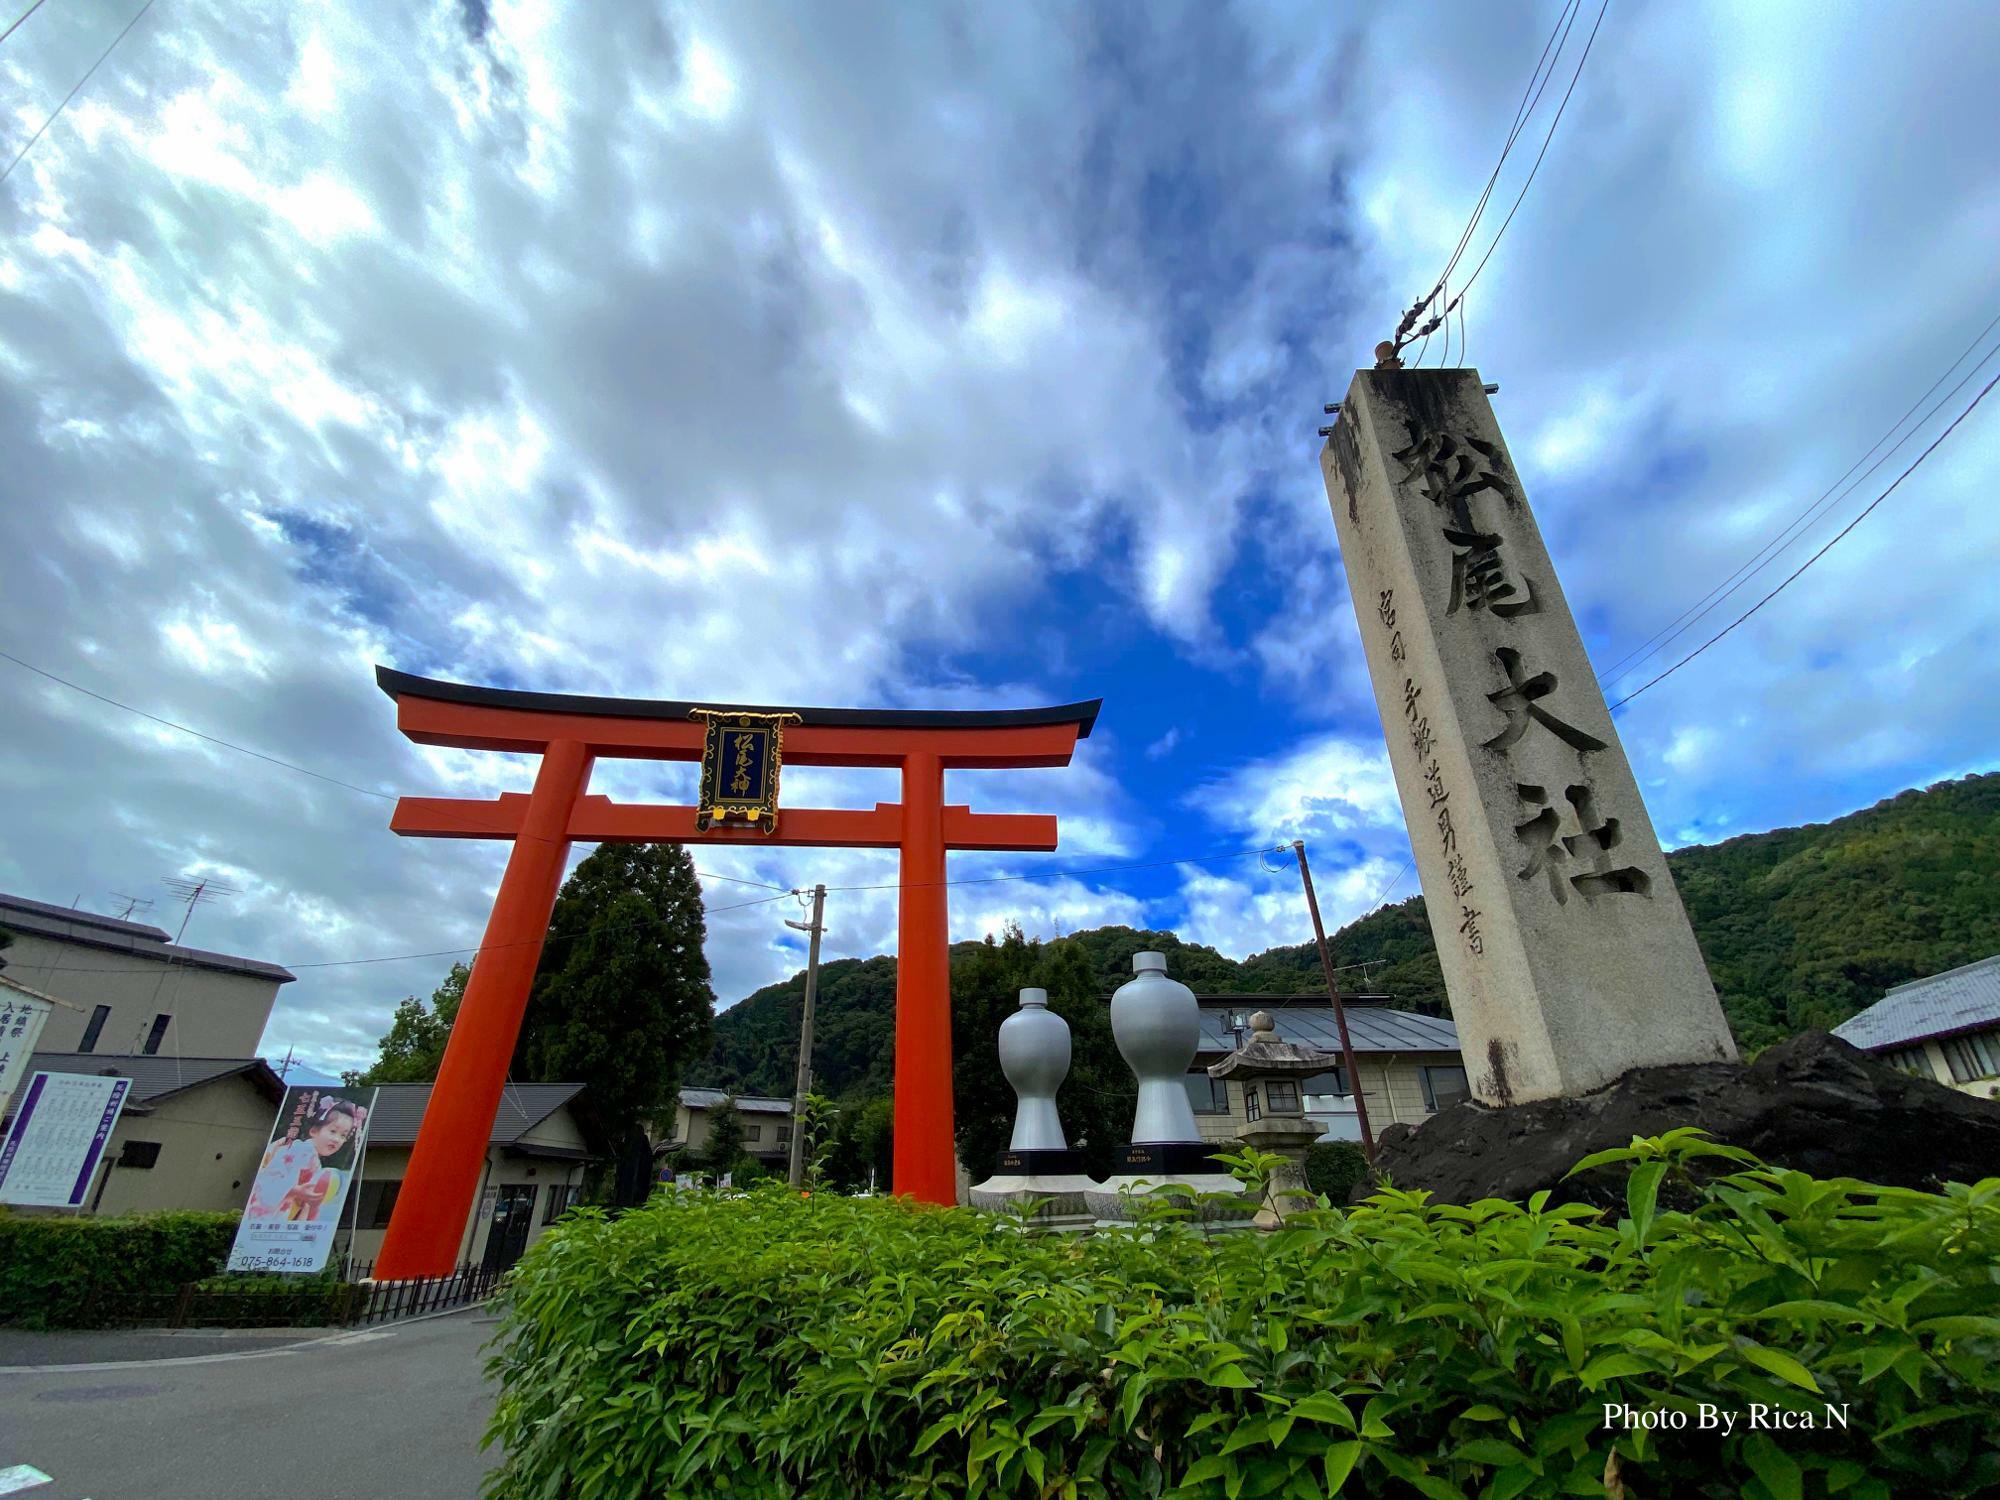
(570, 734)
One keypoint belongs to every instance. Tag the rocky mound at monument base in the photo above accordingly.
(1812, 1103)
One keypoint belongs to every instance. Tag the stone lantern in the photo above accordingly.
(1271, 1071)
(1157, 1025)
(1037, 1164)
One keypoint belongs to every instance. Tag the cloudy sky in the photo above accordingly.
(942, 356)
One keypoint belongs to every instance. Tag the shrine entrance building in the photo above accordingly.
(570, 734)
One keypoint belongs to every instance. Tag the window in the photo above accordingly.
(1975, 1056)
(90, 1033)
(141, 1154)
(753, 1132)
(562, 1198)
(1209, 1096)
(158, 1034)
(1328, 1094)
(1281, 1096)
(1252, 1110)
(377, 1202)
(1443, 1087)
(1912, 1060)
(784, 1138)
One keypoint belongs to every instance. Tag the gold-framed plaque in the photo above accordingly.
(741, 756)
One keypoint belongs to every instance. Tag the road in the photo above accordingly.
(380, 1412)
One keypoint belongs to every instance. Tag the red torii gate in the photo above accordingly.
(570, 733)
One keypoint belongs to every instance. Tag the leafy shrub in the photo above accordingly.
(779, 1345)
(53, 1269)
(1334, 1169)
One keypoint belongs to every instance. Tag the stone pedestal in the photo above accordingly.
(1053, 1183)
(1289, 1136)
(1566, 952)
(1146, 1169)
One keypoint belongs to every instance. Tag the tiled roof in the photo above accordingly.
(88, 930)
(157, 1078)
(1309, 1019)
(750, 1104)
(1963, 999)
(399, 1110)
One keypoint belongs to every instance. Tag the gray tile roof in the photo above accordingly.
(399, 1110)
(157, 1078)
(1372, 1027)
(1963, 999)
(751, 1104)
(87, 929)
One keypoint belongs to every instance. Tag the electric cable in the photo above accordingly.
(1827, 498)
(57, 111)
(15, 24)
(1662, 677)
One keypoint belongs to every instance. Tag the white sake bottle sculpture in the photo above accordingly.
(1034, 1054)
(1157, 1025)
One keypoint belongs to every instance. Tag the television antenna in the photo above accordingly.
(132, 904)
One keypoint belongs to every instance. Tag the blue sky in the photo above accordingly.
(858, 354)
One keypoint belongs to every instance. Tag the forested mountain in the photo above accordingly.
(1801, 927)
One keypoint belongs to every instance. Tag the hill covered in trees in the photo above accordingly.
(1801, 927)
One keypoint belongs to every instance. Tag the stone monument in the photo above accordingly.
(1157, 1026)
(1271, 1071)
(1566, 952)
(1037, 1169)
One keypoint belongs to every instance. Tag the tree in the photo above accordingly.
(863, 1148)
(621, 1000)
(414, 1045)
(724, 1150)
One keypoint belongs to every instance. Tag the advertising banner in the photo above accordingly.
(21, 1018)
(302, 1181)
(58, 1138)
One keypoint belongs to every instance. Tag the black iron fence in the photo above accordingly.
(257, 1301)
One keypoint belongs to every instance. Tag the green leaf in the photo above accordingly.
(1340, 1461)
(1774, 1467)
(1492, 1452)
(1642, 1191)
(1483, 1413)
(1229, 1377)
(1609, 1366)
(1781, 1365)
(1323, 1406)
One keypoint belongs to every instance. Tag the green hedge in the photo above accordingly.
(1334, 1169)
(821, 1346)
(53, 1268)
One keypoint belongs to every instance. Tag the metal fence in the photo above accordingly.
(266, 1302)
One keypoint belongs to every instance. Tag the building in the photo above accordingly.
(1410, 1064)
(534, 1169)
(1945, 1028)
(136, 992)
(767, 1127)
(190, 1134)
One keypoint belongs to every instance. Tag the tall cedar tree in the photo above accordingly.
(414, 1045)
(724, 1149)
(622, 1002)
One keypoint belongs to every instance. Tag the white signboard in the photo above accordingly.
(301, 1182)
(59, 1136)
(21, 1021)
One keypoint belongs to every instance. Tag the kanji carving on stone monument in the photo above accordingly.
(1587, 853)
(1479, 577)
(1520, 701)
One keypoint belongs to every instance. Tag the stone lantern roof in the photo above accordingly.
(1266, 1055)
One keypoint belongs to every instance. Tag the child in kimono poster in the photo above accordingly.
(302, 1182)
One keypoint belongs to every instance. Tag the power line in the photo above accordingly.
(184, 729)
(1522, 111)
(1560, 108)
(73, 92)
(1160, 864)
(1817, 555)
(1828, 497)
(16, 23)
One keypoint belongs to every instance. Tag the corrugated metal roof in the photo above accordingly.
(156, 1078)
(399, 1110)
(1309, 1019)
(755, 1104)
(87, 930)
(1962, 999)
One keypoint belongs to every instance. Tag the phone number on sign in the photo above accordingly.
(273, 1262)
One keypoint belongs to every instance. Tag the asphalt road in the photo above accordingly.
(380, 1412)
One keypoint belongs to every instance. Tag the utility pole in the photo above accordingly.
(804, 1087)
(1339, 1011)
